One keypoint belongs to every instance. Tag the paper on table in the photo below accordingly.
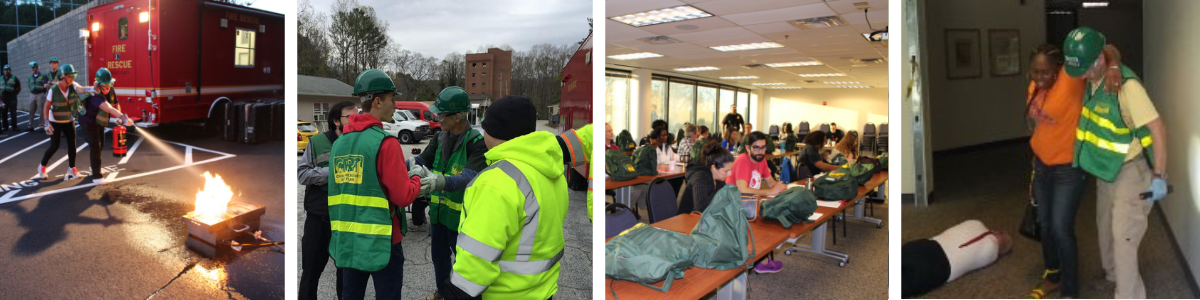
(815, 216)
(829, 204)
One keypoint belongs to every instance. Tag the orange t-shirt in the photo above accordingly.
(1054, 141)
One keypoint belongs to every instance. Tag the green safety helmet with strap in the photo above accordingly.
(373, 80)
(66, 69)
(104, 76)
(53, 59)
(33, 64)
(1081, 49)
(451, 100)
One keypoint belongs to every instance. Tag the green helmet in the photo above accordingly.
(7, 68)
(1081, 48)
(373, 80)
(450, 100)
(104, 76)
(53, 59)
(33, 64)
(66, 69)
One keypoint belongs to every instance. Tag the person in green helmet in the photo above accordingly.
(367, 195)
(10, 86)
(55, 75)
(38, 84)
(1120, 140)
(451, 160)
(64, 102)
(100, 109)
(511, 236)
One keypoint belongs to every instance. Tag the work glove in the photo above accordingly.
(419, 171)
(410, 163)
(433, 183)
(1158, 190)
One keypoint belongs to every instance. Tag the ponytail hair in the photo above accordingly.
(712, 154)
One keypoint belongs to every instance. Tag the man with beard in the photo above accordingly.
(750, 171)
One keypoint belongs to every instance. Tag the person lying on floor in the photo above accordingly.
(927, 264)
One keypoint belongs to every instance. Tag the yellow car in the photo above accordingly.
(304, 131)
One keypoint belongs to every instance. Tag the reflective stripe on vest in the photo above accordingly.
(36, 83)
(1103, 140)
(445, 207)
(575, 147)
(359, 212)
(102, 115)
(521, 265)
(10, 83)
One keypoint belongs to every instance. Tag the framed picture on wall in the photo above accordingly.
(1005, 54)
(963, 54)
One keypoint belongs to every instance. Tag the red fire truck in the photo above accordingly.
(575, 106)
(183, 60)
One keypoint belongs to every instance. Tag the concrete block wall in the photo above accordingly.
(58, 38)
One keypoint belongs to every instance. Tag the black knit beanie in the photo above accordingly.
(510, 117)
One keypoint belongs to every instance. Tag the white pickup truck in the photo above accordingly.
(407, 127)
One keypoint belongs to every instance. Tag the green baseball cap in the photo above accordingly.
(1081, 48)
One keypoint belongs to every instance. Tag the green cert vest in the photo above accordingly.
(320, 152)
(358, 209)
(53, 76)
(445, 207)
(36, 82)
(102, 116)
(1102, 140)
(61, 107)
(10, 83)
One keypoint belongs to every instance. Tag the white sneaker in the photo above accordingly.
(72, 174)
(41, 173)
(99, 181)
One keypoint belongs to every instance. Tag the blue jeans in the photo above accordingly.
(388, 282)
(441, 247)
(1058, 191)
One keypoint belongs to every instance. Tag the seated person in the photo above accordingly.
(811, 156)
(653, 125)
(707, 174)
(848, 147)
(608, 139)
(927, 264)
(658, 140)
(733, 141)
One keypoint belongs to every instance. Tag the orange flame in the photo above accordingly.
(212, 200)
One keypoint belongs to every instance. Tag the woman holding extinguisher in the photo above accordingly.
(98, 108)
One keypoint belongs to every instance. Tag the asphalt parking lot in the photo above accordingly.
(72, 239)
(574, 282)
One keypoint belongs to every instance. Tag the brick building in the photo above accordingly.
(488, 75)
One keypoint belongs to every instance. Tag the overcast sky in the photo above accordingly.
(278, 6)
(436, 28)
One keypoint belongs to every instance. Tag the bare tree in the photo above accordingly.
(359, 39)
(313, 49)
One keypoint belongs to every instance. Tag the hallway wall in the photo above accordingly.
(965, 112)
(1170, 28)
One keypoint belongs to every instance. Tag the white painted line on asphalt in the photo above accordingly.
(13, 137)
(7, 197)
(131, 150)
(187, 156)
(23, 151)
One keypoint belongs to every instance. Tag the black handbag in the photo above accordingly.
(1029, 224)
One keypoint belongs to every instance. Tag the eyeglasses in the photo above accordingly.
(442, 117)
(72, 75)
(758, 147)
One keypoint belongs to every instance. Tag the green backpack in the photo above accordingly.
(619, 166)
(860, 172)
(838, 160)
(794, 205)
(625, 141)
(723, 234)
(836, 185)
(883, 162)
(646, 254)
(789, 144)
(645, 160)
(696, 148)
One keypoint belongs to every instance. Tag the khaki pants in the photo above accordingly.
(1121, 218)
(36, 108)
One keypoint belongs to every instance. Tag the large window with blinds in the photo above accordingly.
(674, 100)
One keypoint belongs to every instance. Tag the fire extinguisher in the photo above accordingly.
(119, 141)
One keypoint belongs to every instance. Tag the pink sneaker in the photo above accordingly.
(777, 265)
(767, 267)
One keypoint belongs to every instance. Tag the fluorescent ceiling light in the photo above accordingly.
(787, 87)
(842, 82)
(854, 87)
(822, 75)
(694, 69)
(1095, 4)
(795, 64)
(770, 83)
(740, 77)
(750, 46)
(665, 15)
(635, 56)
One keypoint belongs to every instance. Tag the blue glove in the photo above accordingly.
(1158, 187)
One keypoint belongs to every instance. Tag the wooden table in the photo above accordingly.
(768, 235)
(624, 188)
